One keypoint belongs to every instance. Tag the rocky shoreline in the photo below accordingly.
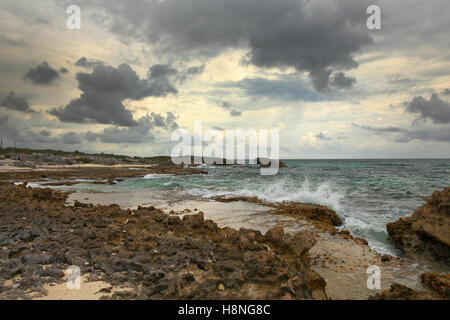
(157, 255)
(427, 231)
(149, 254)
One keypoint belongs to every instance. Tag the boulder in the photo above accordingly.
(427, 230)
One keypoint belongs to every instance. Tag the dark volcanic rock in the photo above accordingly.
(160, 256)
(427, 230)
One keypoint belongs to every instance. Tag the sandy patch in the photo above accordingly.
(89, 290)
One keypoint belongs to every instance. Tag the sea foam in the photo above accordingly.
(282, 191)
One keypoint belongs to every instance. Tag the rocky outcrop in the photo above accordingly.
(440, 283)
(268, 163)
(401, 292)
(427, 230)
(159, 255)
(323, 218)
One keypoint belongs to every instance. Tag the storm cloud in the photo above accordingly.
(379, 129)
(233, 112)
(341, 81)
(104, 91)
(316, 37)
(70, 138)
(42, 75)
(321, 136)
(140, 133)
(13, 102)
(287, 89)
(159, 71)
(435, 109)
(196, 70)
(403, 135)
(87, 63)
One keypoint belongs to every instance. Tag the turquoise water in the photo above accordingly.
(365, 193)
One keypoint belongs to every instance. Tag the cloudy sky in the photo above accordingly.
(137, 70)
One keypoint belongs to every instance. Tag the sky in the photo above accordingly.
(138, 70)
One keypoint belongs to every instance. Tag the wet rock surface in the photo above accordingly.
(323, 218)
(427, 231)
(158, 255)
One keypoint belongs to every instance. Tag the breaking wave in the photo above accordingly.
(283, 191)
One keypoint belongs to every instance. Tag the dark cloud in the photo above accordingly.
(42, 75)
(283, 89)
(162, 71)
(317, 37)
(447, 92)
(166, 71)
(167, 122)
(196, 70)
(12, 132)
(11, 101)
(105, 89)
(45, 133)
(401, 135)
(233, 112)
(412, 27)
(63, 70)
(71, 138)
(435, 109)
(379, 129)
(140, 133)
(226, 105)
(87, 63)
(321, 136)
(341, 81)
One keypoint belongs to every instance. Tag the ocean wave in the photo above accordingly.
(152, 176)
(283, 191)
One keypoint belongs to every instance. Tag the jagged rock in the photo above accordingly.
(158, 255)
(401, 292)
(322, 217)
(427, 230)
(438, 282)
(275, 234)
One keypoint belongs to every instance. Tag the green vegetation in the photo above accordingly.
(84, 160)
(82, 157)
